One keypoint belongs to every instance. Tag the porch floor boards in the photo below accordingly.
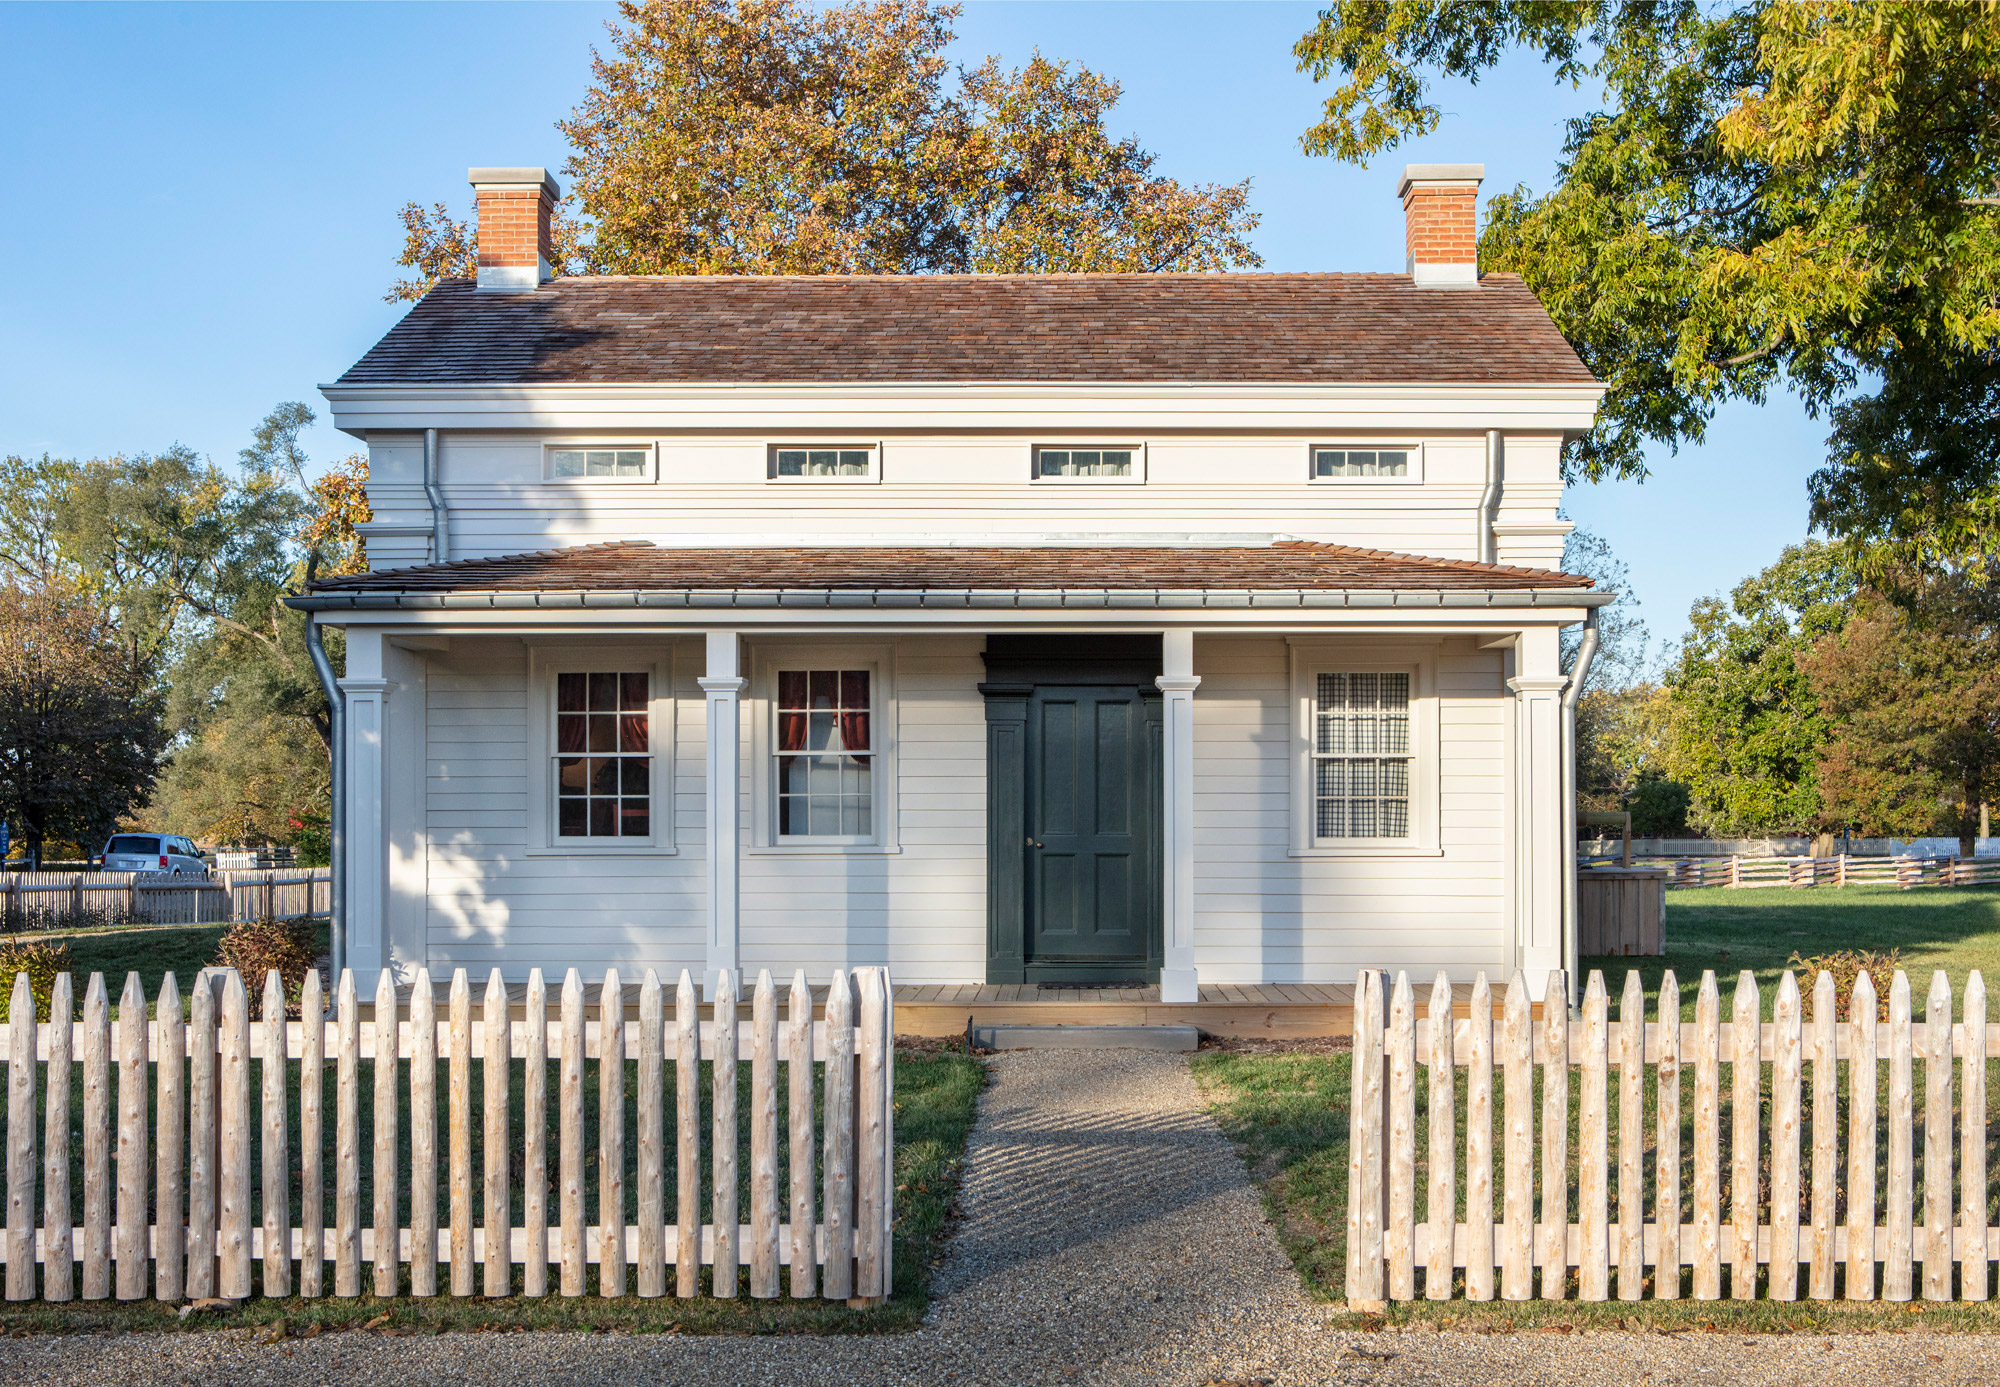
(1248, 1010)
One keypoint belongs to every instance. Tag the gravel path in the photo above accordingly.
(1111, 1237)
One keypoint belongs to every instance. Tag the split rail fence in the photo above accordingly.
(1868, 1206)
(44, 899)
(175, 1211)
(1845, 869)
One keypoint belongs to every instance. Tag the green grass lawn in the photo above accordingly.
(1289, 1113)
(152, 951)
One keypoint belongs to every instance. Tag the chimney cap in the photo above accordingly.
(1440, 173)
(534, 177)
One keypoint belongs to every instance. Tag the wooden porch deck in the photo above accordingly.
(1268, 1010)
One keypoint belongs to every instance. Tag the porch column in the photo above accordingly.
(1537, 685)
(1178, 682)
(723, 684)
(365, 688)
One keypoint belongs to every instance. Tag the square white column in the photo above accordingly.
(723, 685)
(365, 688)
(1177, 682)
(1537, 686)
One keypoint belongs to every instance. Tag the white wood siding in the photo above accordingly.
(947, 489)
(1263, 915)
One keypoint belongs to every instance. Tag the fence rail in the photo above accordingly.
(213, 1217)
(44, 899)
(1783, 1206)
(1845, 869)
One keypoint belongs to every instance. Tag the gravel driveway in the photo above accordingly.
(1110, 1236)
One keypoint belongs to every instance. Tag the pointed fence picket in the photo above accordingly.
(1770, 1217)
(188, 1157)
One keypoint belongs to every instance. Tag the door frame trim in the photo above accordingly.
(1015, 666)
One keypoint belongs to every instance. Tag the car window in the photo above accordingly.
(133, 843)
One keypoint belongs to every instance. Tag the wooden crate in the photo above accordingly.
(1621, 911)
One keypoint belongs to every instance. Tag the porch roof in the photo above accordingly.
(637, 572)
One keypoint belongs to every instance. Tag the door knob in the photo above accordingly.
(1033, 844)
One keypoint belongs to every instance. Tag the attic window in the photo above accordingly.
(579, 462)
(1090, 463)
(812, 462)
(1342, 463)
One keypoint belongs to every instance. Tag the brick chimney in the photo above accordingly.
(1441, 223)
(515, 208)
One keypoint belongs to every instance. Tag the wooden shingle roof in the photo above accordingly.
(638, 566)
(1303, 329)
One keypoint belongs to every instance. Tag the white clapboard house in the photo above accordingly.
(1195, 633)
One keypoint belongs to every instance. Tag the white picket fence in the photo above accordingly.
(204, 1236)
(1390, 1242)
(1845, 869)
(43, 899)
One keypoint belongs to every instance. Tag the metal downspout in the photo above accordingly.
(1489, 499)
(440, 535)
(337, 719)
(1586, 652)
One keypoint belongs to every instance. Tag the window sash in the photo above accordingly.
(823, 754)
(1360, 462)
(607, 462)
(1362, 755)
(602, 757)
(1085, 462)
(815, 461)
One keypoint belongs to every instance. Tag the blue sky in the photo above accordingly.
(198, 218)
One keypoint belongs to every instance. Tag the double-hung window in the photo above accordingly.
(1361, 755)
(1365, 769)
(825, 754)
(601, 726)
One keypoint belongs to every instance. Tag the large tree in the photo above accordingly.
(1911, 693)
(1770, 192)
(1748, 727)
(80, 727)
(782, 137)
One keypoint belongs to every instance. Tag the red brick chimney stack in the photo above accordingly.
(515, 243)
(1441, 223)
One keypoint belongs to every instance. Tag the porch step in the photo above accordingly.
(1029, 1037)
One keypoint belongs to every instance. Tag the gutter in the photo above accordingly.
(440, 536)
(337, 828)
(1489, 499)
(960, 599)
(1586, 652)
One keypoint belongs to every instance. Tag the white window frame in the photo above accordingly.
(1138, 451)
(1312, 656)
(1415, 450)
(648, 446)
(761, 709)
(874, 447)
(545, 662)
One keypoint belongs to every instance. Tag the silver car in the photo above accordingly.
(153, 852)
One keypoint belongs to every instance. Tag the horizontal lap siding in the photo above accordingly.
(1262, 915)
(489, 901)
(921, 909)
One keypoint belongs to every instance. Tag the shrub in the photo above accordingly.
(41, 961)
(257, 946)
(1846, 965)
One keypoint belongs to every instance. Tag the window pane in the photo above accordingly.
(1361, 464)
(853, 463)
(635, 818)
(569, 693)
(603, 818)
(603, 732)
(1394, 464)
(792, 688)
(853, 731)
(825, 688)
(791, 462)
(854, 815)
(1055, 463)
(571, 820)
(854, 688)
(604, 775)
(570, 775)
(633, 691)
(820, 733)
(632, 732)
(635, 775)
(792, 775)
(822, 462)
(569, 732)
(1329, 462)
(1117, 463)
(566, 462)
(631, 464)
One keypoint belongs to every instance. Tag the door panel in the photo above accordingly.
(1091, 838)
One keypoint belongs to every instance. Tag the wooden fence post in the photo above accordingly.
(1631, 1138)
(1896, 1272)
(1443, 1164)
(535, 1146)
(871, 1184)
(21, 1061)
(611, 1136)
(687, 1137)
(799, 1128)
(1746, 1087)
(423, 1136)
(96, 1140)
(1555, 1135)
(58, 1261)
(277, 1163)
(837, 1170)
(1937, 1140)
(652, 1277)
(347, 1139)
(764, 1215)
(386, 1262)
(1785, 1070)
(1862, 1076)
(1667, 1143)
(1517, 1053)
(459, 1115)
(1592, 1149)
(496, 1209)
(1364, 1163)
(312, 1133)
(1826, 1135)
(1478, 1144)
(570, 1136)
(722, 1138)
(233, 1142)
(1972, 1276)
(1707, 1140)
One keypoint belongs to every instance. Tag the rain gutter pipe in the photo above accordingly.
(1586, 652)
(337, 745)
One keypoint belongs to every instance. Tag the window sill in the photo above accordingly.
(1368, 849)
(822, 850)
(601, 850)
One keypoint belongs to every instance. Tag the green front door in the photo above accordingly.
(1092, 835)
